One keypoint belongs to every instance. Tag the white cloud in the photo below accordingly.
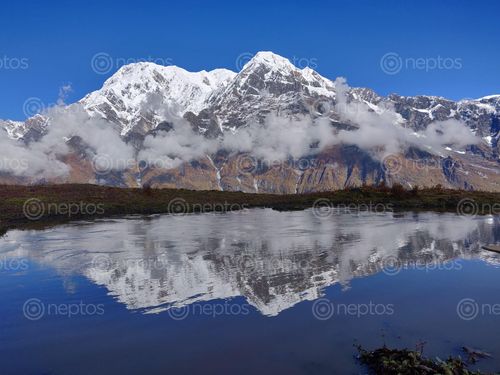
(278, 138)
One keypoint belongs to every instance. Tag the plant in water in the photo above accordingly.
(410, 362)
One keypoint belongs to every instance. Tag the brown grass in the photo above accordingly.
(121, 201)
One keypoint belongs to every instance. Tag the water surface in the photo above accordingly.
(245, 292)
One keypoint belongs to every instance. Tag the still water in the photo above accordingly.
(256, 291)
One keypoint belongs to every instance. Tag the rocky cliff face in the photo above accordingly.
(167, 112)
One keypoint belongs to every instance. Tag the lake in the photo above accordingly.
(255, 291)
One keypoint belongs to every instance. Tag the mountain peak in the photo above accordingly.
(271, 60)
(126, 94)
(143, 71)
(489, 97)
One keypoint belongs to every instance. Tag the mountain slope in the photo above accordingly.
(133, 96)
(264, 129)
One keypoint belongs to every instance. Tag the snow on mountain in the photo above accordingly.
(125, 96)
(274, 69)
(14, 129)
(140, 96)
(267, 83)
(141, 99)
(274, 61)
(489, 97)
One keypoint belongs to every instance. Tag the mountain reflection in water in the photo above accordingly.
(273, 259)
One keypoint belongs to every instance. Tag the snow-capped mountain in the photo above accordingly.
(141, 96)
(15, 129)
(144, 100)
(145, 94)
(266, 83)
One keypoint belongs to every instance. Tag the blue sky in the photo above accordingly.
(446, 48)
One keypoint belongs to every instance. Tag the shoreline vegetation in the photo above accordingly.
(389, 361)
(39, 206)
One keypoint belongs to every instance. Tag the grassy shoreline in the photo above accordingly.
(45, 205)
